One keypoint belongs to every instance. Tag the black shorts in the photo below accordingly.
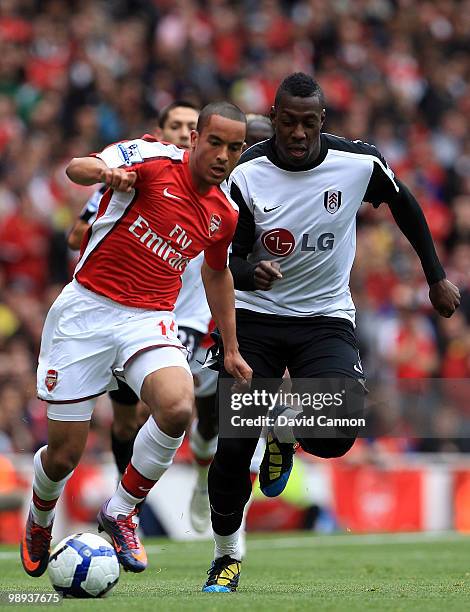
(310, 347)
(123, 394)
(320, 348)
(190, 339)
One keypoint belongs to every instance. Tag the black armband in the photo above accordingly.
(411, 220)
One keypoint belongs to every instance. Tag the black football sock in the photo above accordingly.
(122, 451)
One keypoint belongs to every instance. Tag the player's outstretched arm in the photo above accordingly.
(91, 170)
(218, 285)
(444, 295)
(75, 237)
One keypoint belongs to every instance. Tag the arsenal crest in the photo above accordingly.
(51, 379)
(332, 201)
(214, 224)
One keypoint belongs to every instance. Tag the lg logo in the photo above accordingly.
(281, 242)
(278, 242)
(324, 242)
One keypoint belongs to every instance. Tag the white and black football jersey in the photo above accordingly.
(306, 220)
(90, 209)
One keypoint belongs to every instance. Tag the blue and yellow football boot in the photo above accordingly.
(277, 462)
(224, 574)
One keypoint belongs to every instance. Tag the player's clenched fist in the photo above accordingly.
(445, 297)
(118, 179)
(266, 272)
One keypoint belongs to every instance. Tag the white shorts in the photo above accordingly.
(87, 340)
(205, 380)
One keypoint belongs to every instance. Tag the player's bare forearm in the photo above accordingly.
(91, 170)
(75, 237)
(86, 170)
(221, 299)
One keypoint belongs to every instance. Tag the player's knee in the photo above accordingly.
(233, 457)
(326, 448)
(176, 414)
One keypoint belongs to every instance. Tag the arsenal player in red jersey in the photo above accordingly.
(163, 207)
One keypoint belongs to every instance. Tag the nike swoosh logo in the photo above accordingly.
(271, 209)
(144, 490)
(141, 556)
(31, 565)
(170, 195)
(117, 547)
(358, 369)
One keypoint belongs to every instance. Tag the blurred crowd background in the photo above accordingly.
(77, 75)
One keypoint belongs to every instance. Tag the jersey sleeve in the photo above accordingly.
(216, 255)
(245, 232)
(124, 154)
(90, 209)
(411, 220)
(133, 155)
(382, 185)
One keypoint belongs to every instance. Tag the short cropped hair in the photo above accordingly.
(299, 85)
(252, 117)
(224, 109)
(164, 113)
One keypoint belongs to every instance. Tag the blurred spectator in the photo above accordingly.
(11, 502)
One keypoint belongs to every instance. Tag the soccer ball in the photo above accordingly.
(83, 565)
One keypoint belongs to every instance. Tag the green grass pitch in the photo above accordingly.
(299, 571)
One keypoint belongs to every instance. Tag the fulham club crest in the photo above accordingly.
(214, 224)
(332, 201)
(51, 379)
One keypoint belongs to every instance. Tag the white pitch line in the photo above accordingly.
(309, 541)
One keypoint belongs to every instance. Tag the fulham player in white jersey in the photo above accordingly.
(292, 253)
(163, 208)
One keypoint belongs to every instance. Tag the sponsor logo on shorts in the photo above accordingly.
(214, 224)
(51, 379)
(278, 242)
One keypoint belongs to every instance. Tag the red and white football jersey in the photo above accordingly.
(141, 242)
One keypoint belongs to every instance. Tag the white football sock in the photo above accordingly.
(284, 433)
(122, 503)
(228, 545)
(202, 449)
(154, 450)
(46, 489)
(153, 454)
